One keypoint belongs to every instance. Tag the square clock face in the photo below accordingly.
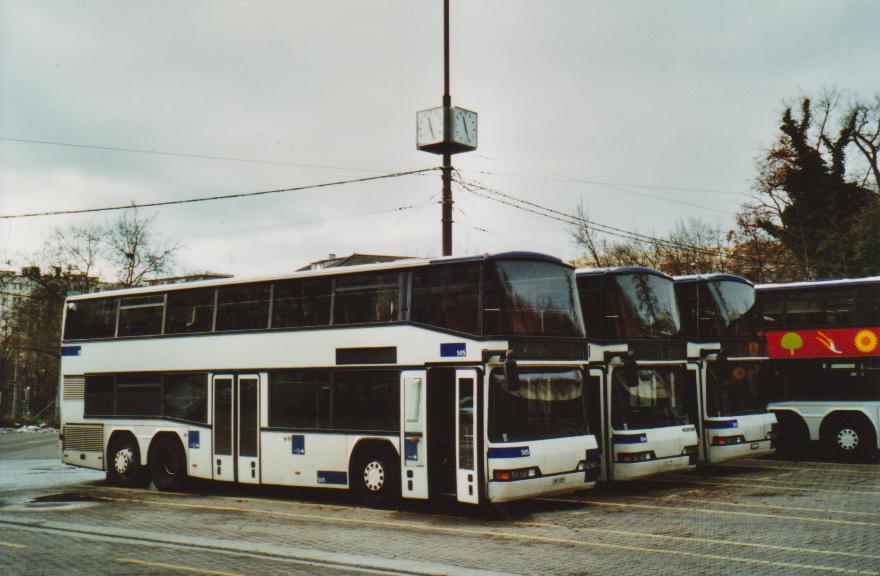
(430, 127)
(464, 127)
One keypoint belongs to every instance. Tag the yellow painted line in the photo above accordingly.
(11, 545)
(709, 511)
(807, 482)
(177, 567)
(754, 486)
(801, 468)
(473, 532)
(687, 498)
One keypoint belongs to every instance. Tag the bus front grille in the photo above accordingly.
(74, 387)
(84, 437)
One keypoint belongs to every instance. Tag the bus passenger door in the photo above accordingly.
(414, 434)
(248, 419)
(695, 386)
(223, 465)
(596, 418)
(467, 487)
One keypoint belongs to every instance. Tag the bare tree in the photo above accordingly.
(588, 239)
(864, 121)
(133, 251)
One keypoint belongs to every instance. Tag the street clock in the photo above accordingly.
(446, 130)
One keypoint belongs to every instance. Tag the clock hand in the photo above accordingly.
(431, 127)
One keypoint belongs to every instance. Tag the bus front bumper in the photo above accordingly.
(541, 486)
(740, 450)
(644, 469)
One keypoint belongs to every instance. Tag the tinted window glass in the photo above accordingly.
(686, 297)
(366, 400)
(90, 319)
(590, 292)
(299, 400)
(641, 305)
(243, 307)
(772, 306)
(99, 400)
(447, 296)
(530, 298)
(186, 396)
(724, 306)
(804, 309)
(222, 415)
(248, 429)
(539, 404)
(301, 303)
(653, 399)
(141, 316)
(736, 388)
(138, 395)
(868, 298)
(190, 311)
(367, 298)
(823, 380)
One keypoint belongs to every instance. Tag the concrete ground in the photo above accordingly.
(745, 517)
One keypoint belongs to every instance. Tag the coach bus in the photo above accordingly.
(822, 339)
(719, 325)
(413, 379)
(637, 392)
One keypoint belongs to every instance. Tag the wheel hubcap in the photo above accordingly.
(848, 439)
(122, 461)
(374, 476)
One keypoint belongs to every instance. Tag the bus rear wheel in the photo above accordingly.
(124, 462)
(167, 463)
(849, 439)
(375, 476)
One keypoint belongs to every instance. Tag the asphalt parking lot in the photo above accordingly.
(746, 517)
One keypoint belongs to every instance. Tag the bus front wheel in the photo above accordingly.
(375, 477)
(849, 439)
(124, 462)
(167, 463)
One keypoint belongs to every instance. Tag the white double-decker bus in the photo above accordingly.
(637, 382)
(413, 379)
(721, 328)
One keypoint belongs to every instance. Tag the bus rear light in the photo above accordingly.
(629, 457)
(727, 440)
(516, 474)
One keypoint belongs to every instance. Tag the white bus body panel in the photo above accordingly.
(556, 458)
(755, 428)
(815, 412)
(667, 443)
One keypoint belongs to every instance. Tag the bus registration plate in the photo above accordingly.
(755, 445)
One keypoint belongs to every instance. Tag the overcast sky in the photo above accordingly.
(674, 94)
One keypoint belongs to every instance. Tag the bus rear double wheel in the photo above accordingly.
(167, 463)
(849, 439)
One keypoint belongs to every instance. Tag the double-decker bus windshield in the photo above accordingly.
(653, 398)
(529, 297)
(538, 404)
(645, 306)
(724, 308)
(735, 388)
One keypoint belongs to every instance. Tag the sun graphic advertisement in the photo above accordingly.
(866, 341)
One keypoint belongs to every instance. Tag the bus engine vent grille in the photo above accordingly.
(74, 387)
(84, 437)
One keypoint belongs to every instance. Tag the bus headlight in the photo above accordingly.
(630, 457)
(516, 474)
(727, 440)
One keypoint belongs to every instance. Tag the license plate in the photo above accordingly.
(559, 480)
(755, 445)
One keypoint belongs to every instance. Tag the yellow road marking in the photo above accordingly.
(508, 535)
(688, 498)
(801, 468)
(775, 486)
(11, 545)
(708, 511)
(807, 482)
(177, 567)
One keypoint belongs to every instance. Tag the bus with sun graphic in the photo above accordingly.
(823, 341)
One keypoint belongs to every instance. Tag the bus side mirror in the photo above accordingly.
(511, 371)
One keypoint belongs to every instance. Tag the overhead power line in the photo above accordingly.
(572, 219)
(155, 152)
(218, 197)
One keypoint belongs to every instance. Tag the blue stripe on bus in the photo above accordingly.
(70, 350)
(298, 445)
(630, 438)
(510, 452)
(326, 477)
(720, 424)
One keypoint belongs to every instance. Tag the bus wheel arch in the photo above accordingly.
(794, 434)
(848, 434)
(123, 460)
(166, 461)
(374, 472)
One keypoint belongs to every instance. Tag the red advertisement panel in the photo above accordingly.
(825, 343)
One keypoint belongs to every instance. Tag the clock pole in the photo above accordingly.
(446, 218)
